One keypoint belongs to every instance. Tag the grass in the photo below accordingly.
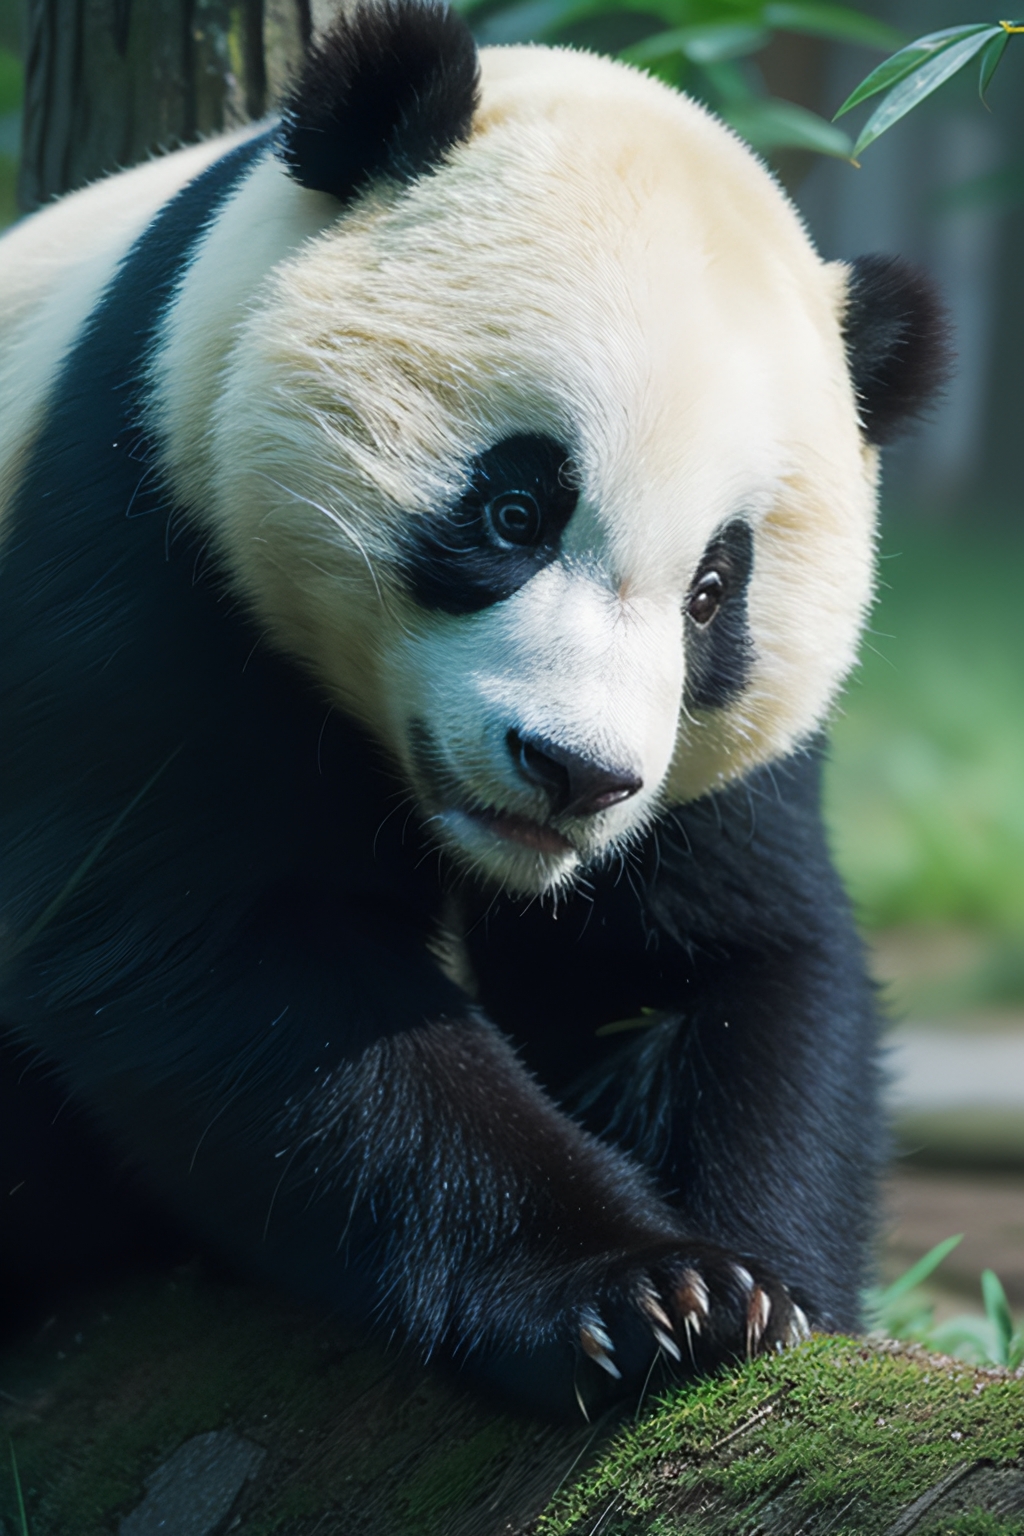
(23, 1529)
(925, 793)
(901, 1311)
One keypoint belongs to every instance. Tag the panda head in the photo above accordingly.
(553, 454)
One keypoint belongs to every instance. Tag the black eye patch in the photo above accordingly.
(719, 649)
(505, 527)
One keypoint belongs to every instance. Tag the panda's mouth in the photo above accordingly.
(465, 817)
(536, 835)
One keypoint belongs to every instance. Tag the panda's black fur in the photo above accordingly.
(281, 1056)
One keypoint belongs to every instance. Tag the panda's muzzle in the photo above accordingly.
(575, 785)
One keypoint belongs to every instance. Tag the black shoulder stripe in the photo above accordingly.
(88, 655)
(145, 732)
(144, 281)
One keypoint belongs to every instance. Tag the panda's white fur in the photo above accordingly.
(602, 263)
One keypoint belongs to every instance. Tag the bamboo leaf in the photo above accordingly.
(524, 22)
(990, 56)
(701, 45)
(837, 22)
(904, 97)
(777, 124)
(920, 52)
(532, 19)
(731, 84)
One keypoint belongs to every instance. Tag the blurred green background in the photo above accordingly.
(926, 787)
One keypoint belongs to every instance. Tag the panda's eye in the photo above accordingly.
(705, 598)
(513, 518)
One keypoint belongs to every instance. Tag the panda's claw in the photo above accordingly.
(651, 1304)
(596, 1342)
(668, 1344)
(759, 1309)
(693, 1299)
(745, 1278)
(592, 1324)
(698, 1310)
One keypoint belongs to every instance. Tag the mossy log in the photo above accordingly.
(194, 1407)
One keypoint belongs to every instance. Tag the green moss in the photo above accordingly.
(975, 1523)
(99, 1400)
(829, 1425)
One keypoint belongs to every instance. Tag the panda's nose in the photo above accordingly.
(575, 785)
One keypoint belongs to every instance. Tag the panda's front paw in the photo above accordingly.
(678, 1311)
(698, 1309)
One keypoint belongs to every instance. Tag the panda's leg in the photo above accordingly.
(708, 1010)
(324, 1105)
(756, 1109)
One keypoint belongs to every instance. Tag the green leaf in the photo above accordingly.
(904, 97)
(731, 84)
(836, 22)
(701, 45)
(1015, 1353)
(990, 56)
(918, 1272)
(891, 71)
(533, 19)
(777, 124)
(997, 1310)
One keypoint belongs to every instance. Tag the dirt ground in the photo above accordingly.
(958, 1094)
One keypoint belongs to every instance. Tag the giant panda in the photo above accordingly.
(434, 528)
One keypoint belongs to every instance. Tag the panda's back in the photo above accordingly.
(55, 265)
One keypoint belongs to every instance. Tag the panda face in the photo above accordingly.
(548, 465)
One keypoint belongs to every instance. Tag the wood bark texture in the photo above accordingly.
(109, 82)
(189, 1404)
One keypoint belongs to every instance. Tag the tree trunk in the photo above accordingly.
(108, 82)
(211, 1408)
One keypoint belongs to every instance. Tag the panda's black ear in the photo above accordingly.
(387, 91)
(897, 334)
